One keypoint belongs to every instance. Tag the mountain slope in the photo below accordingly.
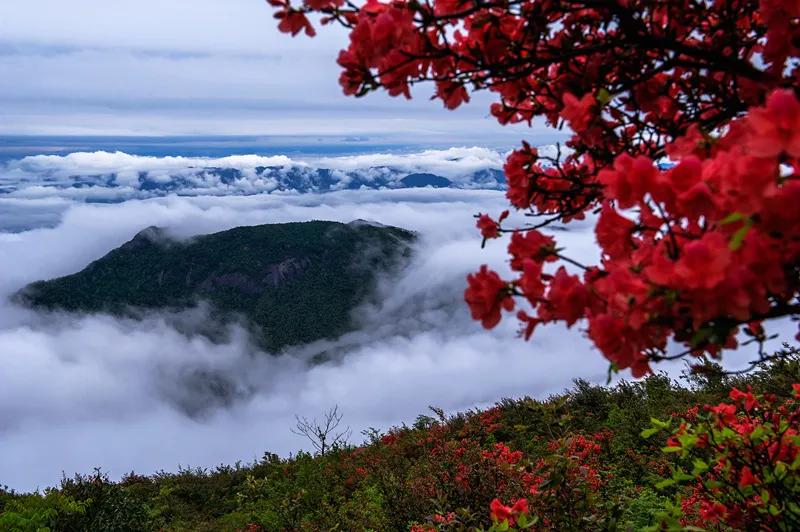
(578, 458)
(293, 283)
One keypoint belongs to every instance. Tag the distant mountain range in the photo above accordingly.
(309, 179)
(291, 283)
(117, 176)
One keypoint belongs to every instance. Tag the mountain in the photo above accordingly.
(421, 180)
(103, 176)
(262, 179)
(293, 283)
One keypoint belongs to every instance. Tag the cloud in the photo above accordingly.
(107, 176)
(454, 163)
(168, 67)
(450, 162)
(78, 392)
(84, 391)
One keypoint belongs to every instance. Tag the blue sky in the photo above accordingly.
(176, 67)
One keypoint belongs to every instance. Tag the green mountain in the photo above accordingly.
(293, 283)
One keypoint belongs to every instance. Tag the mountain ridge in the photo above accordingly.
(293, 283)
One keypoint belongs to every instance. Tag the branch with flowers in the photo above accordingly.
(685, 119)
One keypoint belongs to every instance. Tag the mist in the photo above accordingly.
(85, 391)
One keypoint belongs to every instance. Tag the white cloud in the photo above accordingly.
(114, 176)
(174, 67)
(79, 392)
(87, 391)
(451, 162)
(84, 164)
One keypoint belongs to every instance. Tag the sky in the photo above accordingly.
(198, 67)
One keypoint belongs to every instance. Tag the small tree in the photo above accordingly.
(693, 252)
(324, 436)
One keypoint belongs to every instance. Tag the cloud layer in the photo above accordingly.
(83, 391)
(116, 176)
(78, 392)
(168, 67)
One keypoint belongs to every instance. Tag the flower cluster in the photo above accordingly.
(691, 253)
(745, 457)
(562, 487)
(501, 513)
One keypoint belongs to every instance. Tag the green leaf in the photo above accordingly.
(613, 369)
(732, 217)
(700, 336)
(665, 483)
(647, 433)
(738, 237)
(603, 96)
(658, 423)
(757, 434)
(671, 449)
(700, 467)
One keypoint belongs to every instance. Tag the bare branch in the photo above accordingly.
(324, 436)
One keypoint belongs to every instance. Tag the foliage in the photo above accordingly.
(742, 460)
(685, 121)
(34, 513)
(575, 461)
(295, 282)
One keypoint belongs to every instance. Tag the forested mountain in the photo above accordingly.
(292, 283)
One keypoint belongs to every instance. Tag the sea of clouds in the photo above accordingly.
(84, 391)
(118, 176)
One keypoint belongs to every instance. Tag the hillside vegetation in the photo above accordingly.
(579, 457)
(293, 283)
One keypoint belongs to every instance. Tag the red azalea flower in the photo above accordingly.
(614, 232)
(452, 94)
(579, 113)
(567, 297)
(520, 507)
(486, 295)
(294, 22)
(531, 245)
(704, 262)
(748, 398)
(726, 413)
(629, 179)
(488, 227)
(775, 126)
(499, 511)
(746, 478)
